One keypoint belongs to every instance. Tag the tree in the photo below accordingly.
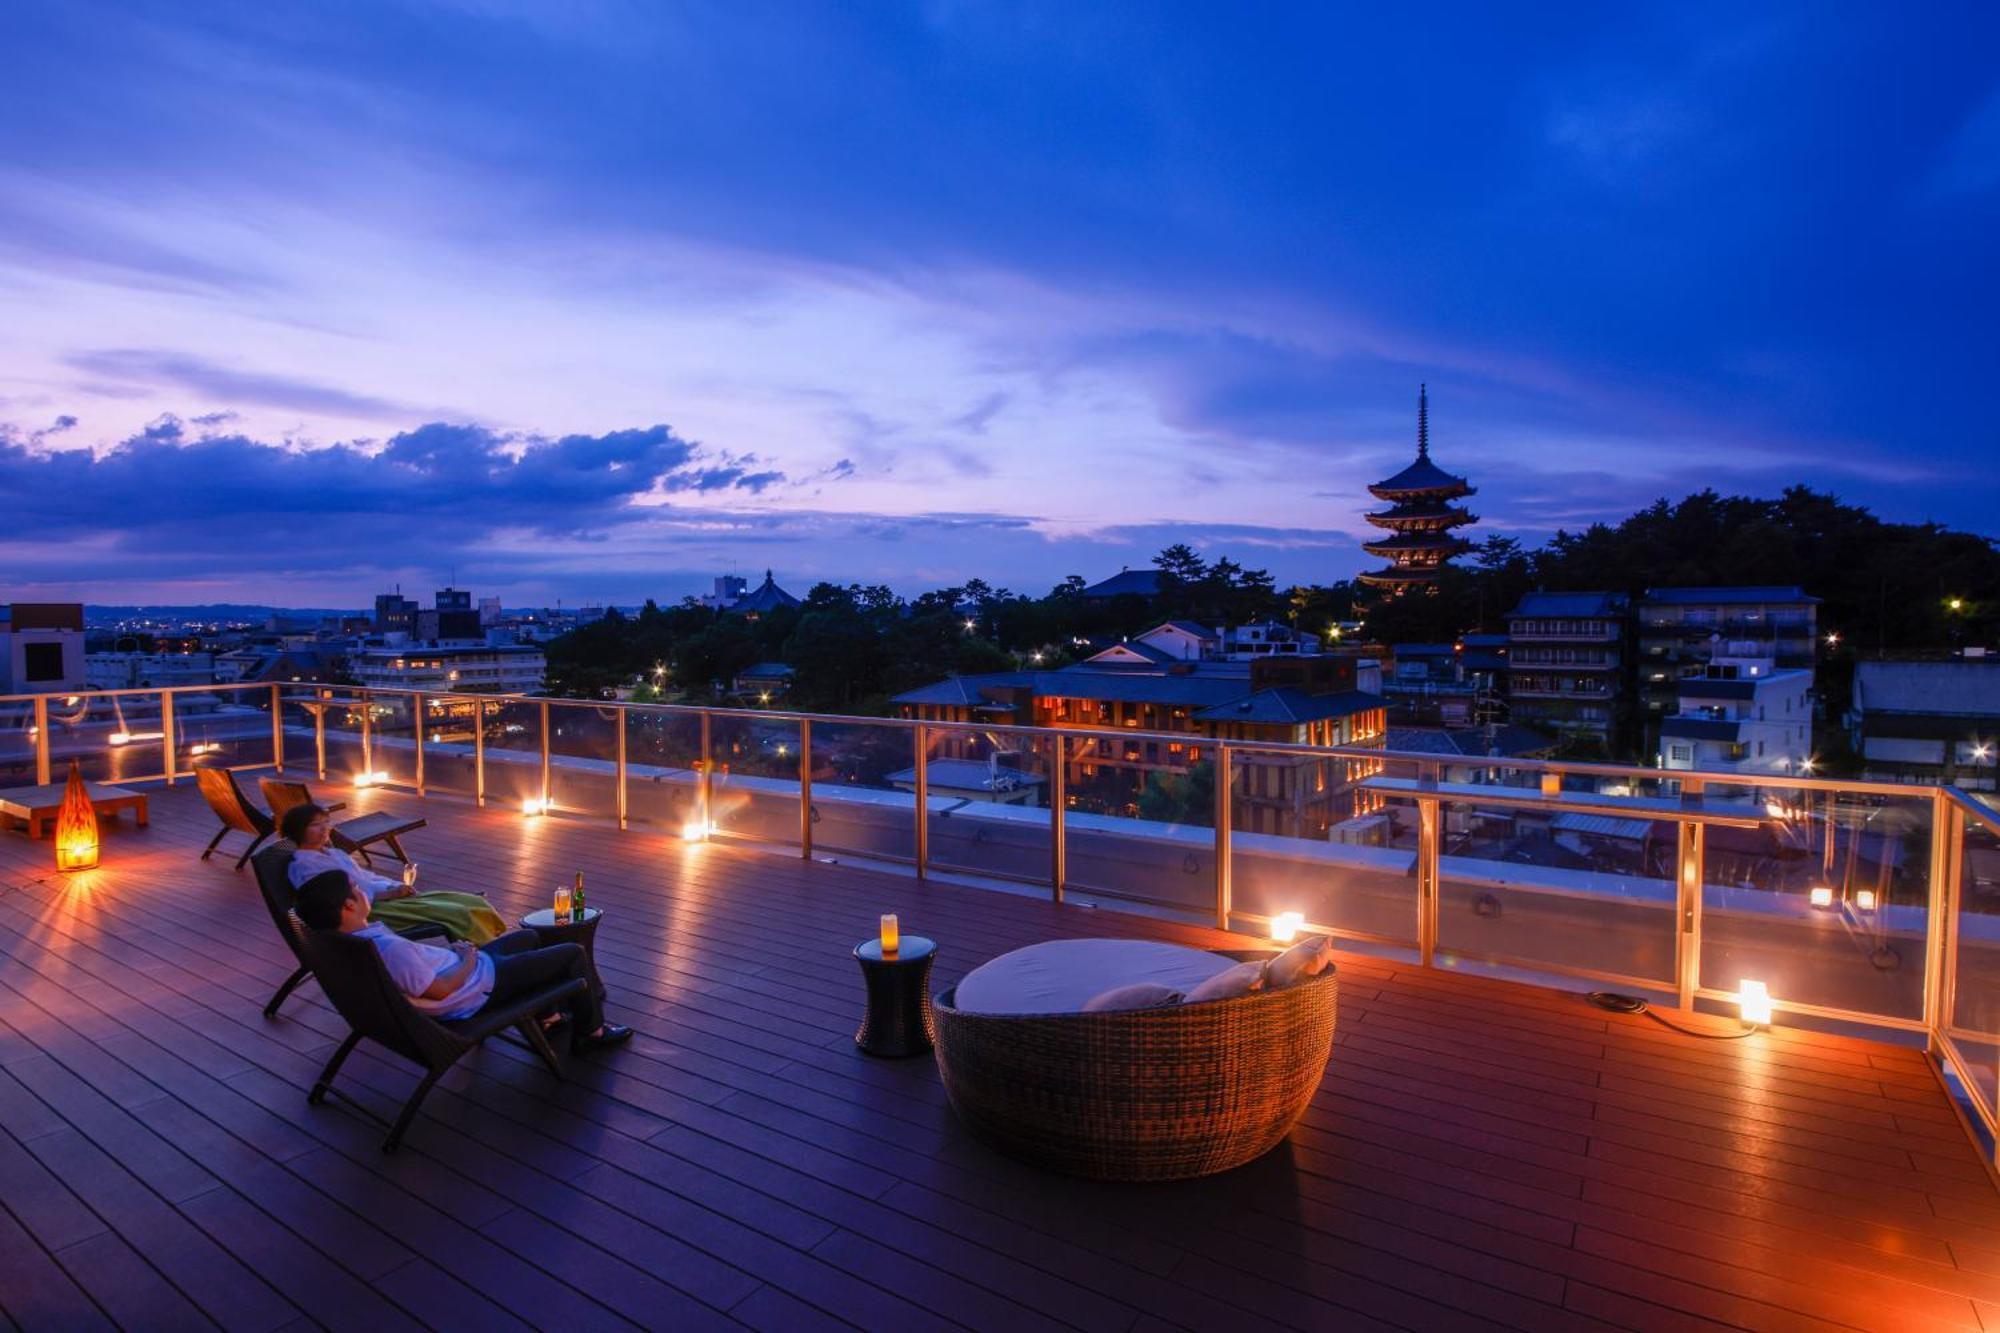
(1180, 798)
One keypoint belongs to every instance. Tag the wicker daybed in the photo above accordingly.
(1141, 1094)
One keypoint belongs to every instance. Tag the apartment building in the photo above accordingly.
(1681, 630)
(1566, 662)
(1729, 719)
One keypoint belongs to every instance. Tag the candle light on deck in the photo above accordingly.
(1753, 998)
(1822, 896)
(1285, 927)
(1864, 900)
(76, 825)
(891, 935)
(697, 830)
(535, 805)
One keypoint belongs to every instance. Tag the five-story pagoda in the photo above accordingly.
(1420, 516)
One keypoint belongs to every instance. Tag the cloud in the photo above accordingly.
(182, 371)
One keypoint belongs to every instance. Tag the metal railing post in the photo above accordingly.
(368, 734)
(277, 727)
(1947, 866)
(1225, 811)
(706, 791)
(324, 702)
(1058, 826)
(168, 740)
(1429, 822)
(419, 712)
(42, 778)
(545, 752)
(479, 752)
(805, 789)
(923, 744)
(1690, 847)
(624, 803)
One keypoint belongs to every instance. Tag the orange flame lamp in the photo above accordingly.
(76, 825)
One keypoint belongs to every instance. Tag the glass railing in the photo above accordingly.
(1868, 903)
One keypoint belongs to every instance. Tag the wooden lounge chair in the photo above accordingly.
(350, 971)
(352, 836)
(273, 868)
(234, 809)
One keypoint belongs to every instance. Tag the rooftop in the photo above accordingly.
(1570, 604)
(1135, 582)
(1748, 596)
(1481, 1153)
(1946, 689)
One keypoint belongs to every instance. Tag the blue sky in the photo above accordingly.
(599, 300)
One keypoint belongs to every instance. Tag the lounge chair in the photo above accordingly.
(234, 809)
(353, 836)
(350, 971)
(273, 869)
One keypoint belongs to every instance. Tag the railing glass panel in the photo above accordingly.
(392, 738)
(864, 790)
(1322, 837)
(583, 759)
(755, 789)
(513, 752)
(989, 803)
(662, 768)
(1826, 899)
(341, 711)
(451, 725)
(115, 738)
(1972, 1007)
(229, 727)
(1142, 828)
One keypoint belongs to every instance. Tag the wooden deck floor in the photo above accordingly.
(1481, 1154)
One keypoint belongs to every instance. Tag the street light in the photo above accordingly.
(971, 625)
(1956, 604)
(1833, 639)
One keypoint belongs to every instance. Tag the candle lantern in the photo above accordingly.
(1285, 927)
(76, 825)
(891, 936)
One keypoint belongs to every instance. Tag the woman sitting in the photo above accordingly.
(397, 904)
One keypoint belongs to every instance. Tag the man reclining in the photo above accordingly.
(460, 980)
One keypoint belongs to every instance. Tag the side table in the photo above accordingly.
(898, 1021)
(548, 931)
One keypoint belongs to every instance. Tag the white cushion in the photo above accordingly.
(1308, 958)
(1136, 995)
(1061, 976)
(1231, 981)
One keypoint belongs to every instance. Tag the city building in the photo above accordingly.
(133, 670)
(1271, 637)
(1682, 629)
(395, 613)
(1312, 700)
(490, 612)
(764, 682)
(1420, 517)
(727, 589)
(462, 668)
(1740, 715)
(1566, 661)
(1935, 721)
(1448, 684)
(41, 648)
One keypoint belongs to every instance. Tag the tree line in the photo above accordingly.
(1885, 587)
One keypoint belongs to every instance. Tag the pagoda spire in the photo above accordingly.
(1423, 421)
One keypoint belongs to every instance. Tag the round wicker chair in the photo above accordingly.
(1141, 1094)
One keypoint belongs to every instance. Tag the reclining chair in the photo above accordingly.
(273, 868)
(233, 808)
(350, 971)
(352, 836)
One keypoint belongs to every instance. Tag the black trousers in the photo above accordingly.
(519, 966)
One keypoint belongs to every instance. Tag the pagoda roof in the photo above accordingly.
(1421, 516)
(1421, 477)
(1411, 541)
(1395, 574)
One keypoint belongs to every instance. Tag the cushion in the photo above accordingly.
(1061, 976)
(1238, 980)
(1136, 995)
(1308, 958)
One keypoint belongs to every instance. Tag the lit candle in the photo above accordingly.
(534, 806)
(1754, 999)
(1822, 896)
(695, 830)
(1285, 926)
(891, 936)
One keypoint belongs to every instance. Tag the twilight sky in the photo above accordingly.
(596, 300)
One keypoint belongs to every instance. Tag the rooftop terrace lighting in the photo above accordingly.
(697, 830)
(120, 738)
(535, 805)
(1833, 639)
(1285, 926)
(374, 779)
(971, 625)
(1753, 999)
(76, 825)
(1864, 900)
(1822, 896)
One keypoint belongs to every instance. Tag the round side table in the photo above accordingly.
(898, 1021)
(549, 931)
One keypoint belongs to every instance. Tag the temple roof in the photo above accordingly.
(1420, 477)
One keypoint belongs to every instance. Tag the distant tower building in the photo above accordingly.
(1420, 516)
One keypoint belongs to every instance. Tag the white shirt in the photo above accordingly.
(307, 864)
(414, 965)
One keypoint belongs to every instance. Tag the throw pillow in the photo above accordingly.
(1137, 995)
(1308, 958)
(1238, 980)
